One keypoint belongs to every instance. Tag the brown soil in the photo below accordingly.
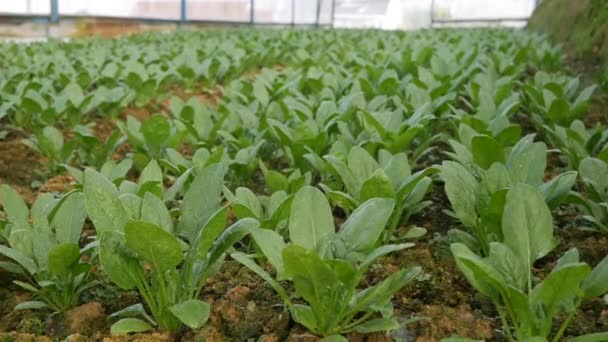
(140, 114)
(103, 128)
(87, 320)
(18, 163)
(58, 184)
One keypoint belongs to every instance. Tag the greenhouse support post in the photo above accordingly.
(318, 13)
(251, 11)
(333, 12)
(293, 12)
(183, 12)
(54, 11)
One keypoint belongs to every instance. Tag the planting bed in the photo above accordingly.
(271, 185)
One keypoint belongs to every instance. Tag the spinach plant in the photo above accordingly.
(594, 175)
(43, 248)
(152, 137)
(142, 248)
(50, 143)
(476, 185)
(326, 267)
(363, 178)
(527, 305)
(578, 142)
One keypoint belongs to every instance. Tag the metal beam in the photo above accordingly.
(432, 12)
(333, 13)
(318, 16)
(251, 11)
(183, 11)
(293, 12)
(54, 11)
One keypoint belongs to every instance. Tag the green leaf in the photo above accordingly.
(156, 130)
(51, 140)
(122, 268)
(594, 171)
(74, 94)
(201, 200)
(271, 244)
(379, 324)
(250, 264)
(397, 169)
(478, 272)
(377, 185)
(30, 305)
(21, 258)
(414, 233)
(211, 230)
(486, 151)
(151, 173)
(348, 179)
(595, 337)
(153, 244)
(14, 206)
(102, 203)
(360, 233)
(510, 267)
(247, 204)
(379, 295)
(361, 164)
(312, 277)
(69, 218)
(63, 258)
(229, 237)
(129, 325)
(527, 225)
(559, 112)
(310, 219)
(153, 210)
(334, 338)
(304, 315)
(596, 283)
(381, 251)
(556, 190)
(527, 161)
(11, 267)
(193, 312)
(461, 188)
(260, 92)
(561, 285)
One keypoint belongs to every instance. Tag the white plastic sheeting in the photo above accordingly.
(385, 14)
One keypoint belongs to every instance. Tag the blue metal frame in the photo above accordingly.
(55, 11)
(54, 16)
(318, 15)
(183, 11)
(251, 11)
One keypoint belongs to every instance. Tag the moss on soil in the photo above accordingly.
(581, 25)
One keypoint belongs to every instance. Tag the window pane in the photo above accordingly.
(25, 7)
(219, 10)
(159, 9)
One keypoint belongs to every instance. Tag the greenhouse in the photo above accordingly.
(304, 170)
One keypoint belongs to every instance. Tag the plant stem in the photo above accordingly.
(505, 322)
(565, 324)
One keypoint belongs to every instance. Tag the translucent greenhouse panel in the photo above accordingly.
(218, 10)
(154, 9)
(363, 13)
(325, 13)
(273, 11)
(31, 7)
(306, 11)
(483, 9)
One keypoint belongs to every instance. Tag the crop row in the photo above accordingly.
(354, 127)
